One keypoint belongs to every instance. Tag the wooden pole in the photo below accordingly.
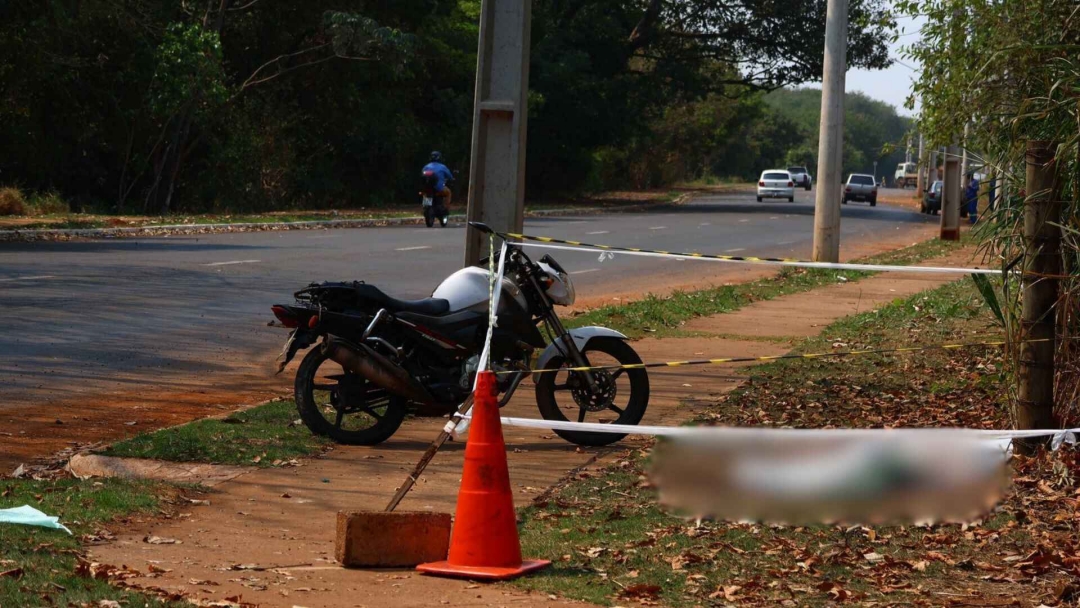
(950, 195)
(1042, 265)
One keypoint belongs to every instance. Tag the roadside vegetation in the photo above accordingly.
(250, 107)
(45, 567)
(264, 436)
(1003, 78)
(617, 546)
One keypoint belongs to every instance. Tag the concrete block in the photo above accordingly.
(377, 539)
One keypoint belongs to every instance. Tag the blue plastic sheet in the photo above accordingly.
(29, 516)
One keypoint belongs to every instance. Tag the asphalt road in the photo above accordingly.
(93, 318)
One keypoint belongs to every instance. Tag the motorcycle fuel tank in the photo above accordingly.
(468, 288)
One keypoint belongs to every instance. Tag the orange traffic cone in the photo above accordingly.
(484, 544)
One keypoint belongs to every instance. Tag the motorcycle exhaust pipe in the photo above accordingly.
(364, 360)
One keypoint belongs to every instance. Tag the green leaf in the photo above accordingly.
(989, 296)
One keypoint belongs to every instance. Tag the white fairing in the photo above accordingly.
(470, 287)
(581, 337)
(561, 291)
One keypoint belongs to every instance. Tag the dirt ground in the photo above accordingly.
(268, 535)
(78, 419)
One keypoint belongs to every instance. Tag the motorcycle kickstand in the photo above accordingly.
(429, 454)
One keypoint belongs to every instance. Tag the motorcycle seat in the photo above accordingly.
(427, 306)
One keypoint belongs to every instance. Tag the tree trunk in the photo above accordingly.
(1042, 266)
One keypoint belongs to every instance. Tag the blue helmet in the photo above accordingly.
(436, 157)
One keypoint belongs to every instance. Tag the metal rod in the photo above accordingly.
(429, 455)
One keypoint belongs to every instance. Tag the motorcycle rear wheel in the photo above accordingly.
(429, 217)
(555, 392)
(344, 406)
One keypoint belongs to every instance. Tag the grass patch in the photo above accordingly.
(611, 544)
(264, 436)
(662, 316)
(47, 558)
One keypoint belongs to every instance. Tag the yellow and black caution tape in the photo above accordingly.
(846, 353)
(730, 258)
(748, 259)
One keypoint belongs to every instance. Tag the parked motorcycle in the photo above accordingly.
(433, 203)
(378, 358)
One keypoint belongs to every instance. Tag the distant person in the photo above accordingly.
(443, 173)
(971, 199)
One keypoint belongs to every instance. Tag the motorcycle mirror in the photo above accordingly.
(482, 227)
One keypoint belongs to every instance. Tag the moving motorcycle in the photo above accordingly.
(434, 203)
(378, 358)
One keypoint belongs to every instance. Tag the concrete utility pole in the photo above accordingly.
(931, 171)
(1042, 264)
(831, 135)
(920, 182)
(950, 195)
(500, 117)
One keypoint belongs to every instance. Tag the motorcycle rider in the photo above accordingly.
(445, 176)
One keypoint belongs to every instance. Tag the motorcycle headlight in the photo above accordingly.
(571, 293)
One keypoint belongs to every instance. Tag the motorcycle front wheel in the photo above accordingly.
(344, 406)
(621, 396)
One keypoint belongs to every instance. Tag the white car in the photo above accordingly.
(776, 183)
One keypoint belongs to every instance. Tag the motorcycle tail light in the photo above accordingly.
(313, 321)
(287, 318)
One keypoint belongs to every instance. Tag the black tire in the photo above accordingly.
(844, 201)
(791, 199)
(922, 208)
(370, 424)
(873, 202)
(759, 199)
(807, 187)
(429, 217)
(630, 413)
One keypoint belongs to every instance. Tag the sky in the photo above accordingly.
(892, 85)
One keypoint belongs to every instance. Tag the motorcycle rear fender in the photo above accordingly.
(581, 336)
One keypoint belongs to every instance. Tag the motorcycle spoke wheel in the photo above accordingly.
(343, 405)
(620, 395)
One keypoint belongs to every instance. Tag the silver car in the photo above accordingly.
(776, 183)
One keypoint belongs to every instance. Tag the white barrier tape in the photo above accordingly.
(608, 254)
(1060, 436)
(495, 290)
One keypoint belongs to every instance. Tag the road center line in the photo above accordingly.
(584, 271)
(657, 227)
(599, 232)
(418, 247)
(743, 221)
(33, 278)
(734, 250)
(233, 263)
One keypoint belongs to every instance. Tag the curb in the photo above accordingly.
(49, 234)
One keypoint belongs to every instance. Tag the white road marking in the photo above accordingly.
(233, 263)
(657, 227)
(736, 249)
(705, 224)
(584, 271)
(325, 236)
(774, 218)
(743, 221)
(599, 232)
(417, 248)
(785, 242)
(33, 278)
